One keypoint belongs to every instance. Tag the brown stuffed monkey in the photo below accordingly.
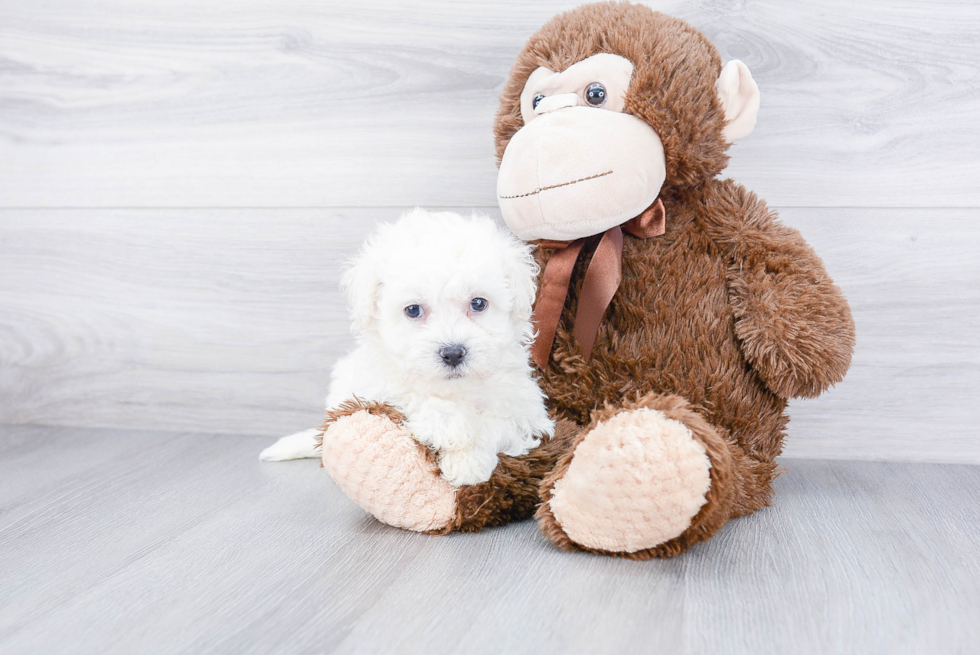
(676, 315)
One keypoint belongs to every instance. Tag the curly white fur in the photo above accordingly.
(469, 413)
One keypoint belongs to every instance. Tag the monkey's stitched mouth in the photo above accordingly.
(555, 186)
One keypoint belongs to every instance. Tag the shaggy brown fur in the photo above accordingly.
(730, 493)
(717, 322)
(512, 493)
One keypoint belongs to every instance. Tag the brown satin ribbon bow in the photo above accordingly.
(601, 281)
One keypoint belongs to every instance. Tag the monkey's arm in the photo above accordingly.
(794, 324)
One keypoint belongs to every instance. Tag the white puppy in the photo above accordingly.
(441, 308)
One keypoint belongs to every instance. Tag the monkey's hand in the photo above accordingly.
(793, 322)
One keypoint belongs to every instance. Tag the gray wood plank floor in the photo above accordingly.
(125, 541)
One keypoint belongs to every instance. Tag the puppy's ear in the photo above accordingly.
(360, 281)
(521, 270)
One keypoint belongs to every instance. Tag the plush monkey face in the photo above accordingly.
(588, 144)
(579, 165)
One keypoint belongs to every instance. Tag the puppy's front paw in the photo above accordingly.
(466, 467)
(442, 425)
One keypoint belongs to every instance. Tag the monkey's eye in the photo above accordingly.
(413, 311)
(538, 98)
(595, 95)
(479, 304)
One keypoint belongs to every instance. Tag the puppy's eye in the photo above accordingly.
(538, 98)
(479, 304)
(595, 95)
(413, 311)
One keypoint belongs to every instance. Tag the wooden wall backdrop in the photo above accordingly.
(179, 182)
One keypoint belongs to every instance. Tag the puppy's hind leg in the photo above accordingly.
(294, 446)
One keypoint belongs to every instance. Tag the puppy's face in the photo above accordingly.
(448, 319)
(443, 296)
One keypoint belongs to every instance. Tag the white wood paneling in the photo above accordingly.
(913, 280)
(134, 542)
(255, 143)
(382, 103)
(229, 321)
(173, 319)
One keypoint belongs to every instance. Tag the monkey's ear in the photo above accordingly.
(739, 96)
(361, 283)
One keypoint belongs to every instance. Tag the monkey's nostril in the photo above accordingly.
(453, 355)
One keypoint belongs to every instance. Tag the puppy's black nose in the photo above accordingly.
(452, 355)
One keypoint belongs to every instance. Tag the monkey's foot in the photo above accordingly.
(638, 484)
(377, 464)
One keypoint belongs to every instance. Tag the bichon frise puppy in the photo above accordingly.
(441, 309)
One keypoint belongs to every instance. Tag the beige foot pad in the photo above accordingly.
(636, 481)
(381, 468)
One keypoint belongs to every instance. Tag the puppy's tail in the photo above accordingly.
(295, 446)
